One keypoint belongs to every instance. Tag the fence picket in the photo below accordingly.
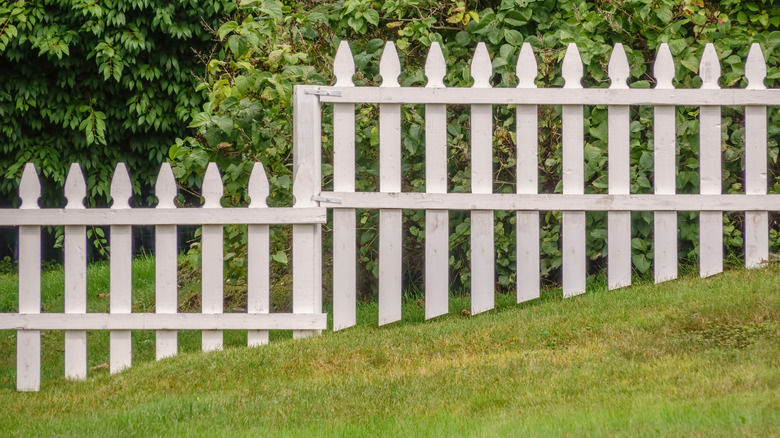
(258, 259)
(482, 245)
(28, 342)
(121, 347)
(212, 239)
(307, 181)
(710, 222)
(165, 274)
(528, 275)
(756, 223)
(619, 222)
(573, 179)
(664, 171)
(75, 276)
(436, 221)
(390, 263)
(344, 223)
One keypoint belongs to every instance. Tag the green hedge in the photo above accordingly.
(98, 83)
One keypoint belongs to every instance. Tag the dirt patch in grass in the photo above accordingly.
(724, 336)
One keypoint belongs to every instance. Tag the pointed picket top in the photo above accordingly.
(571, 70)
(344, 66)
(75, 187)
(258, 187)
(121, 187)
(663, 69)
(481, 67)
(165, 187)
(303, 185)
(618, 68)
(29, 187)
(526, 69)
(755, 68)
(212, 189)
(709, 68)
(390, 66)
(435, 67)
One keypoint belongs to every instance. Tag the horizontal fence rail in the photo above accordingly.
(29, 321)
(527, 202)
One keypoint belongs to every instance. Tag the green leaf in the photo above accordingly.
(273, 8)
(279, 257)
(372, 16)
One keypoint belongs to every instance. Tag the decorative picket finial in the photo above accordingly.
(165, 187)
(618, 67)
(121, 187)
(526, 69)
(709, 68)
(481, 67)
(303, 185)
(663, 69)
(389, 66)
(435, 66)
(212, 189)
(344, 65)
(571, 70)
(755, 68)
(29, 187)
(258, 187)
(75, 187)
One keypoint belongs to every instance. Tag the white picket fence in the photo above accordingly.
(527, 202)
(309, 210)
(307, 317)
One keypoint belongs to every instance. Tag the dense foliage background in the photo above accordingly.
(264, 47)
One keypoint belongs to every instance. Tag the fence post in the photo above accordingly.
(307, 181)
(28, 342)
(258, 260)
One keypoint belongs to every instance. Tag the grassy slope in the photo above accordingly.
(689, 357)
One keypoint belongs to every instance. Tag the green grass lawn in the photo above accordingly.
(692, 357)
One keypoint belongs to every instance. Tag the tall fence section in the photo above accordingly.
(309, 211)
(527, 202)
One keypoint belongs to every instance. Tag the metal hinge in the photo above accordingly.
(328, 200)
(319, 92)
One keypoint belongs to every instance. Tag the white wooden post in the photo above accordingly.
(344, 235)
(165, 253)
(307, 181)
(619, 222)
(121, 347)
(75, 276)
(664, 171)
(482, 245)
(390, 220)
(710, 222)
(527, 181)
(756, 222)
(258, 260)
(437, 270)
(212, 258)
(28, 342)
(573, 169)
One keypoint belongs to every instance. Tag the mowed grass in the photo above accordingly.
(691, 357)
